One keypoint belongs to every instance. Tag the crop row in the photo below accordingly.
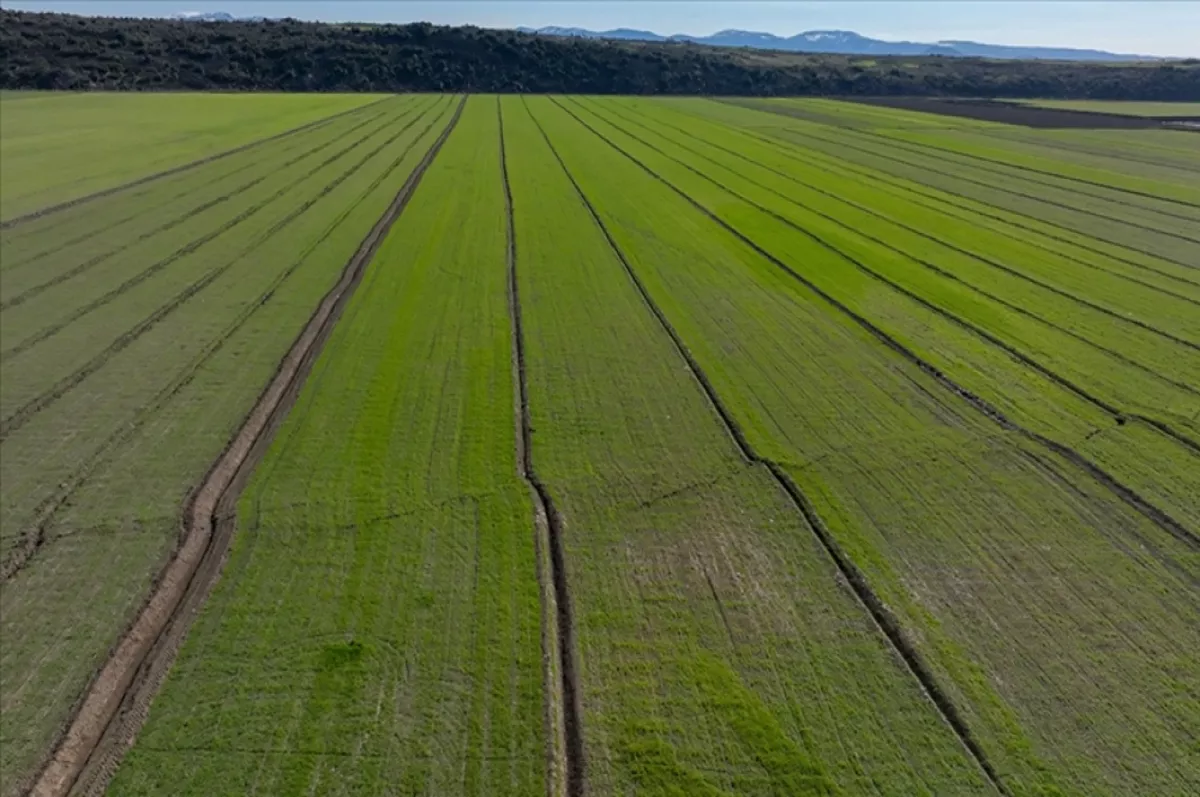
(1033, 588)
(1124, 223)
(1036, 366)
(115, 415)
(704, 664)
(378, 620)
(60, 148)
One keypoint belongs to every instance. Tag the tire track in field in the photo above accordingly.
(1118, 415)
(81, 268)
(47, 211)
(64, 385)
(194, 245)
(1024, 171)
(33, 537)
(564, 704)
(133, 673)
(908, 198)
(985, 408)
(1014, 192)
(887, 623)
(922, 190)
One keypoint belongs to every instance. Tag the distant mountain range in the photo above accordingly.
(848, 43)
(842, 42)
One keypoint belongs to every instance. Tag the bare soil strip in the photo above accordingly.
(882, 616)
(563, 697)
(37, 214)
(1119, 416)
(1126, 494)
(208, 529)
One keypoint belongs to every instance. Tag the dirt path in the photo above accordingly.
(118, 700)
(564, 732)
(116, 189)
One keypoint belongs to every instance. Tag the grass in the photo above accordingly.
(865, 446)
(60, 147)
(176, 343)
(1126, 108)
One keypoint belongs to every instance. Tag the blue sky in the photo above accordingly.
(1142, 26)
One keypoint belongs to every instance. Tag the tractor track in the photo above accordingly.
(985, 408)
(52, 209)
(117, 701)
(1118, 415)
(882, 616)
(190, 248)
(96, 260)
(33, 538)
(65, 385)
(567, 714)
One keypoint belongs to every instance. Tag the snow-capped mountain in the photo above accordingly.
(847, 42)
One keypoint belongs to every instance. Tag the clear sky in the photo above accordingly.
(1147, 27)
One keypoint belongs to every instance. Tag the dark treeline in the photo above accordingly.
(58, 51)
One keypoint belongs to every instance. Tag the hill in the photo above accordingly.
(845, 42)
(65, 52)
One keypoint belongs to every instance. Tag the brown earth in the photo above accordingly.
(118, 699)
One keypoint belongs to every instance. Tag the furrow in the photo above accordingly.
(153, 639)
(916, 231)
(58, 390)
(1118, 415)
(132, 241)
(568, 709)
(1079, 149)
(1011, 191)
(942, 206)
(189, 248)
(37, 214)
(843, 143)
(33, 538)
(790, 146)
(883, 618)
(1129, 496)
(1024, 171)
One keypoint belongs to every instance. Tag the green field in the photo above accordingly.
(1122, 108)
(658, 446)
